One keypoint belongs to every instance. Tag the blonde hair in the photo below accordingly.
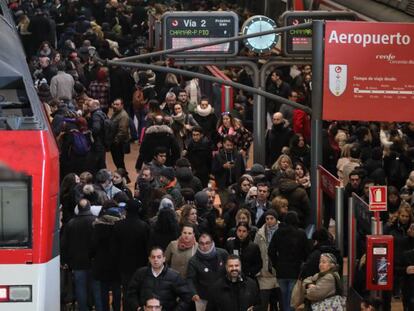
(276, 165)
(245, 212)
(279, 202)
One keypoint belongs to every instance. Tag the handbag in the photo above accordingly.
(333, 303)
(298, 295)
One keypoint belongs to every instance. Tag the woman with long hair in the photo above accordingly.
(67, 196)
(182, 125)
(165, 229)
(225, 127)
(279, 167)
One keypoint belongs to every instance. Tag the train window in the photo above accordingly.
(15, 213)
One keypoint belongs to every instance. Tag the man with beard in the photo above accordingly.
(234, 291)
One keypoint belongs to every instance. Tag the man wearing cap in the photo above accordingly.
(131, 236)
(168, 182)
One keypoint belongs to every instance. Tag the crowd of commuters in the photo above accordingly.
(197, 229)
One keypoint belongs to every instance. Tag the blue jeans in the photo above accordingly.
(83, 281)
(115, 287)
(286, 287)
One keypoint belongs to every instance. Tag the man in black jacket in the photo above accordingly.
(160, 280)
(131, 236)
(76, 246)
(234, 292)
(204, 268)
(228, 164)
(277, 137)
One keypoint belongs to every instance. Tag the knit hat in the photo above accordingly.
(201, 198)
(271, 212)
(331, 257)
(257, 169)
(168, 172)
(166, 203)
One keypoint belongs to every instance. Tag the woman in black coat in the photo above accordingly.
(67, 196)
(248, 251)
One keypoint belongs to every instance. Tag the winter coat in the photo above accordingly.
(62, 85)
(238, 296)
(104, 255)
(131, 237)
(168, 286)
(96, 125)
(158, 136)
(187, 180)
(267, 275)
(325, 286)
(207, 123)
(76, 241)
(225, 177)
(297, 197)
(201, 274)
(249, 254)
(200, 155)
(288, 250)
(311, 265)
(276, 138)
(178, 259)
(121, 120)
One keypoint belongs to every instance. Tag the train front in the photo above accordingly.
(29, 185)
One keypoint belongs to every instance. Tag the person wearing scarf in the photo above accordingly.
(179, 252)
(206, 118)
(204, 268)
(182, 125)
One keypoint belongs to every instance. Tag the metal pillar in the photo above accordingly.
(317, 95)
(351, 242)
(339, 218)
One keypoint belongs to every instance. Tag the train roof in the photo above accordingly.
(20, 107)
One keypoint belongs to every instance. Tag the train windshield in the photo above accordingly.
(15, 223)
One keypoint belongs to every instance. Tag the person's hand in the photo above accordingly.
(311, 286)
(410, 231)
(410, 270)
(251, 308)
(228, 165)
(196, 298)
(243, 153)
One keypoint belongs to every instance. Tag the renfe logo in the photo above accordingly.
(367, 39)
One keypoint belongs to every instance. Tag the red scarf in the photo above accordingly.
(183, 245)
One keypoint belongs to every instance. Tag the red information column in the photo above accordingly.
(368, 71)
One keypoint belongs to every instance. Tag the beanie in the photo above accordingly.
(168, 172)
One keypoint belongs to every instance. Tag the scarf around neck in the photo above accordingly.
(209, 254)
(204, 112)
(183, 245)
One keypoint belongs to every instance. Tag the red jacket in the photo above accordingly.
(302, 124)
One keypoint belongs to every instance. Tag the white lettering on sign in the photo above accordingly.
(367, 38)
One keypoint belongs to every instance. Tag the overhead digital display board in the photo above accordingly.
(182, 29)
(368, 71)
(298, 42)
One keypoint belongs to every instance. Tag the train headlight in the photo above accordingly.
(15, 293)
(20, 293)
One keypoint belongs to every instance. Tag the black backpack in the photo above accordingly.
(110, 130)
